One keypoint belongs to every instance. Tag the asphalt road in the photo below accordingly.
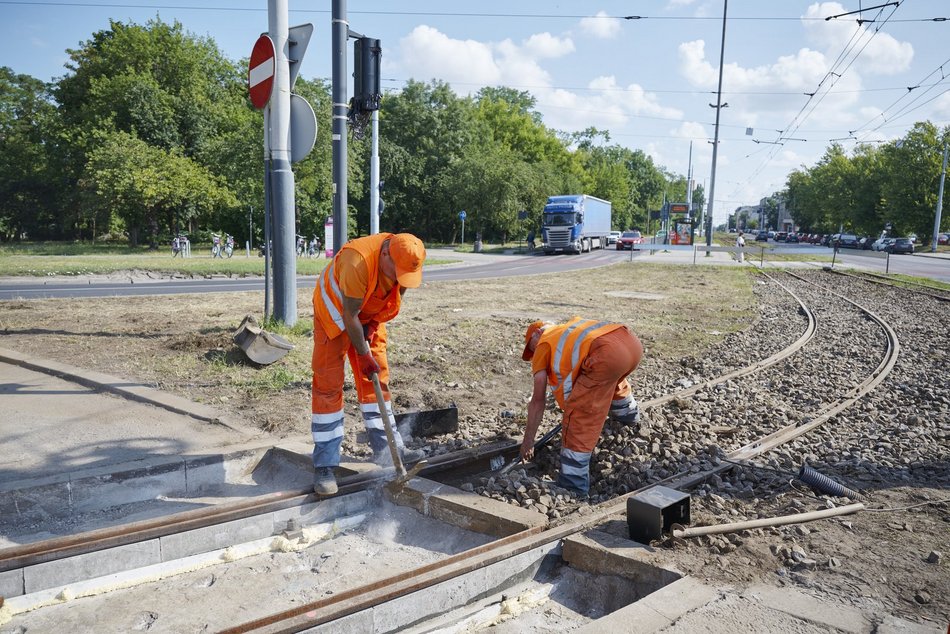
(472, 266)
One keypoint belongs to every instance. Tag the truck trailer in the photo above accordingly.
(575, 223)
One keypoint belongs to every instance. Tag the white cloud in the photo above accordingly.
(601, 26)
(545, 45)
(427, 53)
(875, 52)
(941, 106)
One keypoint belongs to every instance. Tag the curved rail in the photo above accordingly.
(363, 597)
(356, 599)
(101, 539)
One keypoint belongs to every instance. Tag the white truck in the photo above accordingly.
(575, 223)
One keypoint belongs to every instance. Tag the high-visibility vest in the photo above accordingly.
(328, 297)
(570, 344)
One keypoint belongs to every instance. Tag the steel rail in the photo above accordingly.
(111, 537)
(360, 598)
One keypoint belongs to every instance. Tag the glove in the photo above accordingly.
(367, 363)
(369, 330)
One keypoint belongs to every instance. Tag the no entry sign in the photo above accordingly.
(260, 71)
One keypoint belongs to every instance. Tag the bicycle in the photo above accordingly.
(229, 246)
(215, 246)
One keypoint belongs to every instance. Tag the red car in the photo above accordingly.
(628, 240)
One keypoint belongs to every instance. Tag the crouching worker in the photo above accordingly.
(358, 292)
(586, 363)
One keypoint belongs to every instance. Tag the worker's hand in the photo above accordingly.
(369, 330)
(367, 363)
(527, 449)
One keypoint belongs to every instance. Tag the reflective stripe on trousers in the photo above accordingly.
(327, 431)
(376, 429)
(575, 470)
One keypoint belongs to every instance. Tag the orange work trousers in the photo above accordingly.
(602, 379)
(327, 363)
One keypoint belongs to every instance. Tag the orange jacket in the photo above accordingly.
(570, 343)
(328, 298)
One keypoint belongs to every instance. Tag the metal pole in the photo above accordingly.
(282, 184)
(463, 230)
(943, 176)
(341, 32)
(712, 179)
(374, 177)
(267, 214)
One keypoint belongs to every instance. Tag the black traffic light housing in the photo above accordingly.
(366, 91)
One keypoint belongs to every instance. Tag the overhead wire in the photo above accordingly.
(833, 75)
(460, 14)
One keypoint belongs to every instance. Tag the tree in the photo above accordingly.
(148, 188)
(26, 190)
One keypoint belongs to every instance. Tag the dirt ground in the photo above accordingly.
(460, 342)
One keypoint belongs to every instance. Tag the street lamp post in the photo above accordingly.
(719, 106)
(943, 175)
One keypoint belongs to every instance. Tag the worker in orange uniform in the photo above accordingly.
(586, 363)
(357, 293)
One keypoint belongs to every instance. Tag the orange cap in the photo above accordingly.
(408, 254)
(533, 328)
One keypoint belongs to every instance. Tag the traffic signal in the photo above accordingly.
(366, 91)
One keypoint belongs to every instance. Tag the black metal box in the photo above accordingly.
(652, 512)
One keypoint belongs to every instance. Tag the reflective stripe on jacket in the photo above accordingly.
(570, 344)
(328, 298)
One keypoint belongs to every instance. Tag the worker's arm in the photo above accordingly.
(535, 414)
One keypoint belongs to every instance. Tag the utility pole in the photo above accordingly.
(943, 176)
(341, 33)
(374, 177)
(719, 106)
(283, 230)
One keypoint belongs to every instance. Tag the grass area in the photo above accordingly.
(71, 259)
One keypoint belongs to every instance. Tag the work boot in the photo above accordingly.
(409, 457)
(324, 482)
(626, 414)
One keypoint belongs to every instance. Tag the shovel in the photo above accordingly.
(497, 462)
(401, 475)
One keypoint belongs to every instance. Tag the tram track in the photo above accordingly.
(317, 613)
(355, 599)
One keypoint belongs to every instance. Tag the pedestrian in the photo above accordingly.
(586, 363)
(531, 240)
(358, 292)
(740, 243)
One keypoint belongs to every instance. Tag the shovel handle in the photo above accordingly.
(388, 425)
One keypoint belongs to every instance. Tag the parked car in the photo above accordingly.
(780, 236)
(791, 238)
(612, 237)
(762, 236)
(900, 245)
(881, 244)
(865, 242)
(661, 237)
(629, 240)
(826, 239)
(848, 241)
(943, 238)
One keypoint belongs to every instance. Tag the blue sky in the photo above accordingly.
(648, 81)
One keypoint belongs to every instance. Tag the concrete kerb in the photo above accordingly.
(126, 389)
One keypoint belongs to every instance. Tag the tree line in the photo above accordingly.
(895, 184)
(150, 133)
